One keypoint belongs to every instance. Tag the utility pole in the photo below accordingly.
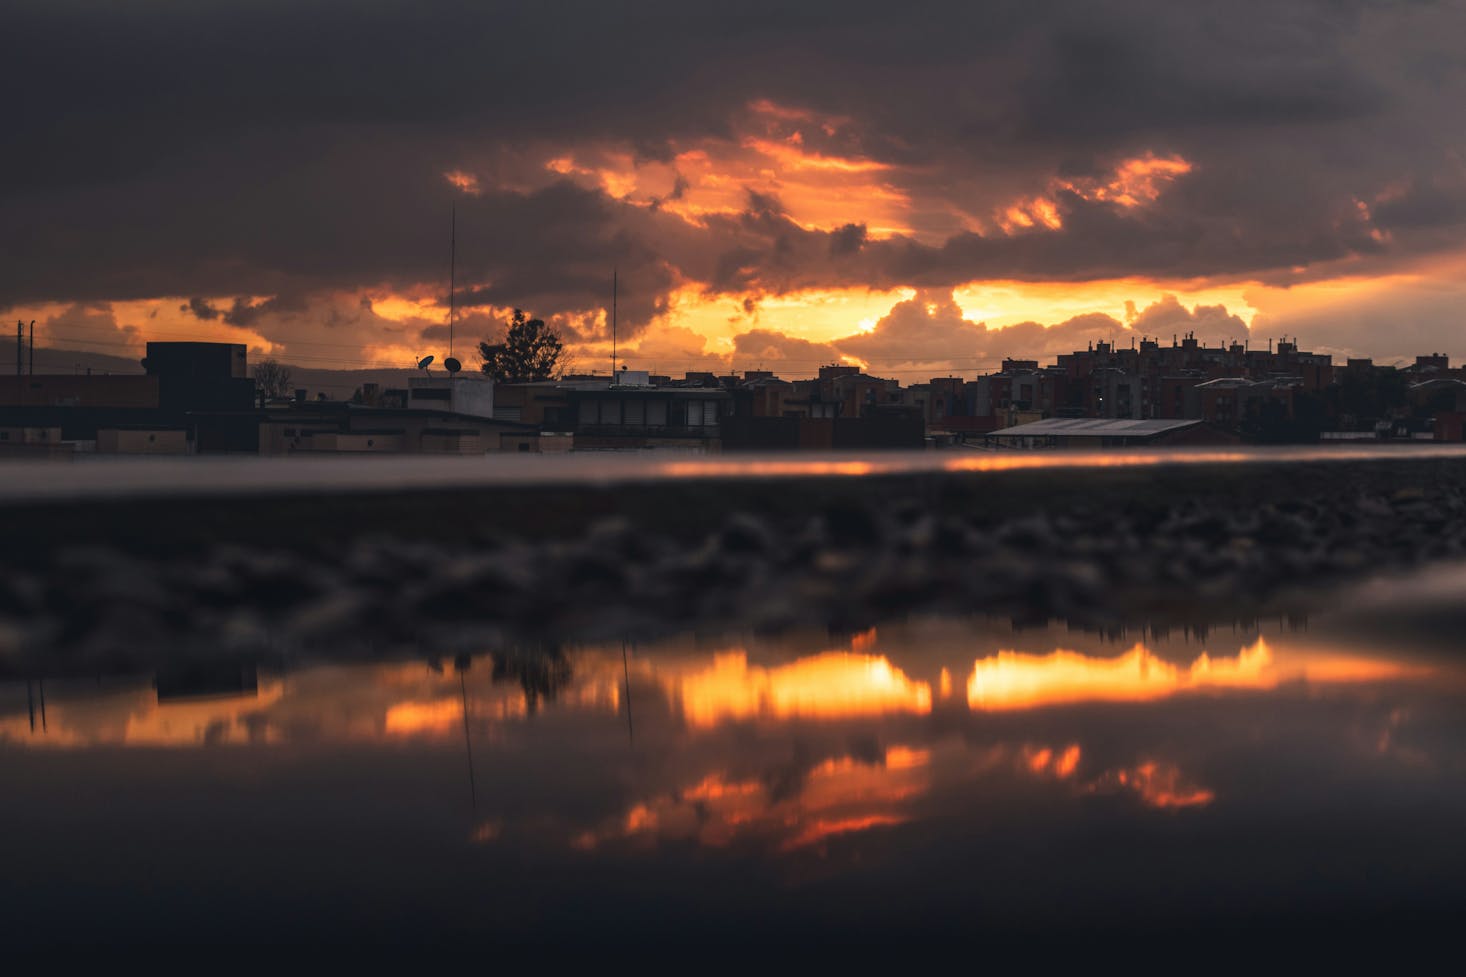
(19, 345)
(614, 284)
(452, 272)
(33, 348)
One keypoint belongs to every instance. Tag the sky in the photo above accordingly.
(920, 188)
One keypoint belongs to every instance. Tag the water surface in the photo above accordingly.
(933, 777)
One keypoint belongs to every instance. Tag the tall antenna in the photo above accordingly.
(615, 285)
(32, 370)
(452, 271)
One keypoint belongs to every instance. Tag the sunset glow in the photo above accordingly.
(1011, 680)
(827, 686)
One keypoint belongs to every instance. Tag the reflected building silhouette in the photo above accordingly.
(541, 673)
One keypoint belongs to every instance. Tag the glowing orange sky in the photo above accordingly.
(814, 166)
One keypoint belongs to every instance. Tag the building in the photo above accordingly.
(201, 376)
(471, 396)
(332, 427)
(34, 442)
(636, 416)
(1066, 432)
(79, 390)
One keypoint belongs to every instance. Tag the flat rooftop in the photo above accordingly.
(1089, 427)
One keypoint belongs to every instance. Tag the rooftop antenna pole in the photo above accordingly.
(452, 270)
(19, 345)
(467, 740)
(33, 348)
(626, 673)
(615, 286)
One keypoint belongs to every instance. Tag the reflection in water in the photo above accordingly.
(833, 684)
(998, 461)
(1157, 784)
(771, 760)
(1046, 760)
(1011, 680)
(792, 809)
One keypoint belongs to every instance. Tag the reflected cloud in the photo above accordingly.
(1013, 680)
(1157, 784)
(838, 796)
(135, 717)
(1048, 761)
(835, 684)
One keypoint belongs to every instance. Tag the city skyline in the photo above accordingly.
(921, 191)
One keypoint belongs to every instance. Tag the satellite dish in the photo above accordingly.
(425, 362)
(452, 365)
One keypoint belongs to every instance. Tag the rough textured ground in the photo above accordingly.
(108, 586)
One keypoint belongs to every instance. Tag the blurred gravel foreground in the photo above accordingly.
(97, 581)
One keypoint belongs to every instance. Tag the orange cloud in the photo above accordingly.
(464, 182)
(1133, 183)
(781, 153)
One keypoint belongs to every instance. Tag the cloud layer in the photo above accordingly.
(289, 168)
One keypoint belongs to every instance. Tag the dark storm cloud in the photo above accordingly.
(271, 149)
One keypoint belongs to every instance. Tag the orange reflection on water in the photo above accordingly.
(839, 796)
(1011, 680)
(423, 718)
(820, 829)
(1157, 784)
(756, 469)
(1047, 761)
(136, 718)
(835, 684)
(1023, 460)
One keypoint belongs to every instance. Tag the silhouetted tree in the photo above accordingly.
(529, 352)
(540, 673)
(273, 379)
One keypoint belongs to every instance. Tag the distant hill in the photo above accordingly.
(335, 384)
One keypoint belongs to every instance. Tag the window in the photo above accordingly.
(656, 413)
(710, 413)
(635, 413)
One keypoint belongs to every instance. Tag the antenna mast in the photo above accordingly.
(452, 271)
(615, 285)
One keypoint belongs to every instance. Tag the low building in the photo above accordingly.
(877, 430)
(471, 396)
(341, 428)
(1065, 432)
(34, 442)
(79, 390)
(622, 417)
(143, 441)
